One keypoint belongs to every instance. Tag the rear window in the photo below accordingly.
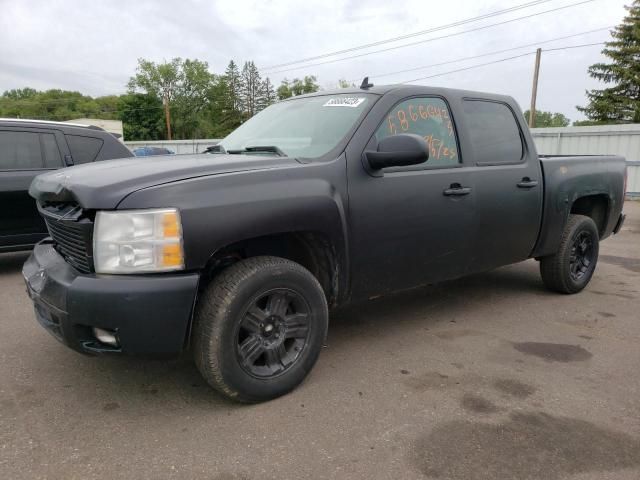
(84, 149)
(52, 158)
(493, 131)
(20, 151)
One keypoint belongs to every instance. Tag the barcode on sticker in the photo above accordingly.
(352, 102)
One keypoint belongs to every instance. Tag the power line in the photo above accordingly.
(427, 40)
(498, 61)
(573, 46)
(469, 67)
(411, 35)
(487, 54)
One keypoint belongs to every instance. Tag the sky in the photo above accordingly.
(92, 46)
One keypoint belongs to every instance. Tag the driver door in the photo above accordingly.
(409, 226)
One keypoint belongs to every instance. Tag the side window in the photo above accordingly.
(19, 150)
(52, 158)
(429, 118)
(493, 132)
(84, 149)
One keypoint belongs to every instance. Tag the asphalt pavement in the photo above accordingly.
(488, 377)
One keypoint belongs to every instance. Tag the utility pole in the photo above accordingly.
(534, 90)
(167, 115)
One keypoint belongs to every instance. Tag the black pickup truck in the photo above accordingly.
(316, 202)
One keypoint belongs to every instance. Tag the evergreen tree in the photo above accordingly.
(619, 103)
(234, 85)
(251, 89)
(267, 94)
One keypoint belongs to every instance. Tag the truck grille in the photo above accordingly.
(72, 234)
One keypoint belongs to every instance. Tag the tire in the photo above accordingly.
(259, 328)
(567, 271)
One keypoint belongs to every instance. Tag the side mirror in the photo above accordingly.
(398, 151)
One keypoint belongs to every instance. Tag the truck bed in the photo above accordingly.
(599, 178)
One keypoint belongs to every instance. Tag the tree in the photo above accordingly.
(251, 89)
(160, 80)
(267, 94)
(222, 112)
(234, 85)
(142, 116)
(342, 83)
(620, 102)
(179, 98)
(284, 90)
(296, 87)
(549, 119)
(55, 104)
(192, 97)
(20, 93)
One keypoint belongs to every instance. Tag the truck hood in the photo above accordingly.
(103, 185)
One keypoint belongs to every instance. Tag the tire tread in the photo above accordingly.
(553, 267)
(212, 309)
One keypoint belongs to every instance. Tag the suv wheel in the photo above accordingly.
(571, 268)
(259, 327)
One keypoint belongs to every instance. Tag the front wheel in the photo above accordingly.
(259, 328)
(571, 268)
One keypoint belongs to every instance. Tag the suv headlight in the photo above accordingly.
(138, 241)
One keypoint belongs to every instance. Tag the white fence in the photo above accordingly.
(609, 139)
(177, 146)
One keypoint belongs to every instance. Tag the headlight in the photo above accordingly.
(138, 241)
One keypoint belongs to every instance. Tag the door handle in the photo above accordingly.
(526, 182)
(455, 189)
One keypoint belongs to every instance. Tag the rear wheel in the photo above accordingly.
(259, 328)
(571, 268)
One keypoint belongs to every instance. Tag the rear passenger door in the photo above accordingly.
(508, 183)
(23, 155)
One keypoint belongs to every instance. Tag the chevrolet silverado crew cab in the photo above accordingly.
(31, 147)
(317, 201)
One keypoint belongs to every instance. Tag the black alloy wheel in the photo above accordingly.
(582, 255)
(272, 333)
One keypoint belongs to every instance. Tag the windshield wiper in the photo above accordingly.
(215, 149)
(260, 149)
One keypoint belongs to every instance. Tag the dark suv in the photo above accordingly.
(31, 147)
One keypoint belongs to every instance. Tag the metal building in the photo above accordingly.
(606, 139)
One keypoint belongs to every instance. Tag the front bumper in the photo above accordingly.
(151, 314)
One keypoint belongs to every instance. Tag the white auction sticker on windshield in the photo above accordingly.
(351, 102)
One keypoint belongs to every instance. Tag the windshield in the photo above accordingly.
(304, 128)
